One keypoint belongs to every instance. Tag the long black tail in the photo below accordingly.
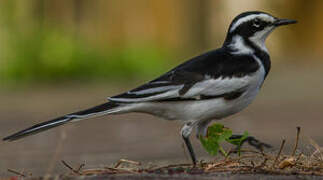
(99, 110)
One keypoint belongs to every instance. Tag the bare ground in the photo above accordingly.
(289, 99)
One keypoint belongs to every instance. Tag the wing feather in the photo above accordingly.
(206, 88)
(212, 74)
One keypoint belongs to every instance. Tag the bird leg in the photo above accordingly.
(186, 132)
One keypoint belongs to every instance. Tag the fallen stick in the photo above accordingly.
(16, 172)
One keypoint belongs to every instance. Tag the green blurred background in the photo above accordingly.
(60, 56)
(78, 40)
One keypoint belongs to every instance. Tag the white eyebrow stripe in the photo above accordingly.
(248, 18)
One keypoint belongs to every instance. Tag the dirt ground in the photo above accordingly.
(291, 97)
(217, 176)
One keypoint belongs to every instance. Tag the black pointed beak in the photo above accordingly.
(281, 22)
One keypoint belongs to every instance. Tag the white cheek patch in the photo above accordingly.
(259, 38)
(239, 47)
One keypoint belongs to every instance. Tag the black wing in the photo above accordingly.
(212, 74)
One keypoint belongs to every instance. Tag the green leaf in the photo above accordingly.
(217, 133)
(210, 146)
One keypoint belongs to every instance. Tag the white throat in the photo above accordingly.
(260, 37)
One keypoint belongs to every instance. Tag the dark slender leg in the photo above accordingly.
(190, 148)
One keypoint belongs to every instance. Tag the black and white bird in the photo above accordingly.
(208, 87)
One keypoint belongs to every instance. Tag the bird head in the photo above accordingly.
(251, 29)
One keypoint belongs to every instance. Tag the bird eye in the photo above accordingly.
(256, 23)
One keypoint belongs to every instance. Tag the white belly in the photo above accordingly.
(199, 109)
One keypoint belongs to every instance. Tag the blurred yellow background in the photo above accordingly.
(59, 56)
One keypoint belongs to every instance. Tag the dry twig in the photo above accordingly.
(122, 170)
(72, 169)
(16, 172)
(280, 151)
(126, 161)
(172, 166)
(80, 167)
(297, 139)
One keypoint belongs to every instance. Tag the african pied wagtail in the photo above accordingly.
(211, 86)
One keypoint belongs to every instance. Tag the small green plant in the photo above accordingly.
(217, 134)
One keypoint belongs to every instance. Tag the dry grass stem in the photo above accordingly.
(16, 172)
(317, 154)
(72, 169)
(80, 167)
(279, 152)
(126, 161)
(297, 140)
(172, 166)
